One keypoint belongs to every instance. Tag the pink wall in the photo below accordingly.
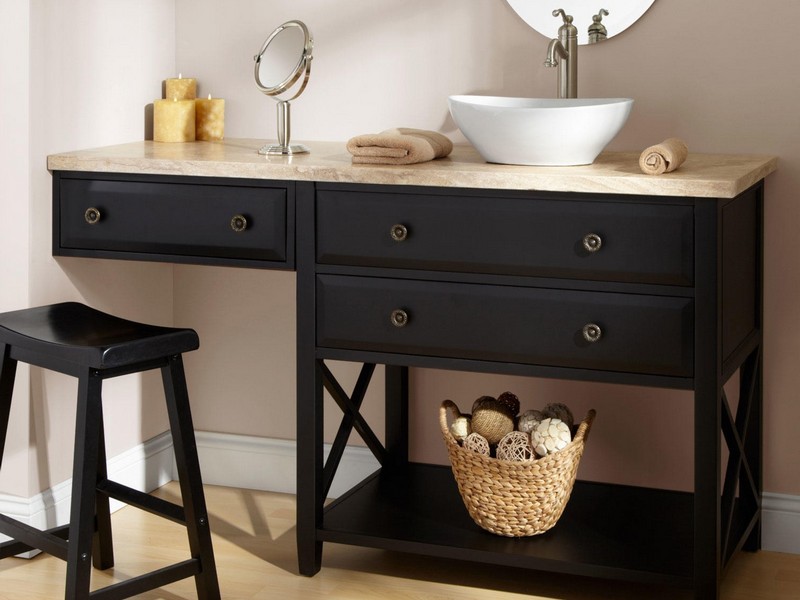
(74, 74)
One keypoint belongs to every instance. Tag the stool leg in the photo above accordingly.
(180, 419)
(8, 370)
(84, 478)
(102, 548)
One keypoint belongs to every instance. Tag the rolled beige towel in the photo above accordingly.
(401, 146)
(664, 157)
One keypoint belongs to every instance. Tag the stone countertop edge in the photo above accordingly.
(702, 175)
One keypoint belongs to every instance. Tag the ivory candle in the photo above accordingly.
(181, 88)
(173, 120)
(210, 118)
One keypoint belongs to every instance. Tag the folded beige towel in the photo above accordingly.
(401, 146)
(664, 157)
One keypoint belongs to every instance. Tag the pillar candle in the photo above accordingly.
(173, 120)
(210, 118)
(181, 89)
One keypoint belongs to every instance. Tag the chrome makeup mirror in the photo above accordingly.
(596, 20)
(281, 71)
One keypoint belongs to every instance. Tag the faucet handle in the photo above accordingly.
(567, 18)
(599, 16)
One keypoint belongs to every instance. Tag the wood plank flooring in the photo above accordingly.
(254, 542)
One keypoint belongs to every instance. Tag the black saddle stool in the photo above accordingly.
(77, 340)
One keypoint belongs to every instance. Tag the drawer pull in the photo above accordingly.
(592, 332)
(592, 242)
(239, 223)
(399, 317)
(399, 232)
(92, 216)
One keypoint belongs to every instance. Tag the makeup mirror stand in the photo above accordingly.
(286, 66)
(284, 134)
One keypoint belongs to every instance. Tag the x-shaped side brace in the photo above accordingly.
(736, 431)
(351, 419)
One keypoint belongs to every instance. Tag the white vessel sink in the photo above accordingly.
(539, 131)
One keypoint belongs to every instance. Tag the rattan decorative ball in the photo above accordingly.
(492, 420)
(461, 427)
(551, 435)
(528, 420)
(556, 410)
(477, 443)
(515, 446)
(511, 401)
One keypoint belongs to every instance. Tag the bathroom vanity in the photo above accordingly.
(461, 265)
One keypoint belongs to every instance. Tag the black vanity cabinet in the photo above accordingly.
(655, 291)
(661, 290)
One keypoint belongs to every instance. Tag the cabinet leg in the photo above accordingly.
(397, 416)
(310, 498)
(309, 557)
(753, 446)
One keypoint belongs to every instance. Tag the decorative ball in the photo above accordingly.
(481, 401)
(511, 401)
(492, 420)
(529, 419)
(551, 435)
(515, 446)
(556, 410)
(477, 443)
(461, 427)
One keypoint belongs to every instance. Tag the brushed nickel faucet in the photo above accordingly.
(563, 53)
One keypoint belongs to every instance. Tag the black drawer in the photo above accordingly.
(639, 333)
(174, 219)
(640, 242)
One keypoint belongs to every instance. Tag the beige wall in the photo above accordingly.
(75, 73)
(15, 221)
(714, 73)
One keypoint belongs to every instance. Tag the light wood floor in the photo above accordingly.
(254, 542)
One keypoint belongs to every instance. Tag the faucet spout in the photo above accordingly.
(555, 50)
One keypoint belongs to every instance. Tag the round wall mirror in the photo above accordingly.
(281, 71)
(603, 18)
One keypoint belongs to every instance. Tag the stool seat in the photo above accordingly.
(81, 335)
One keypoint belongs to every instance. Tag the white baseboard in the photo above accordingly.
(269, 464)
(145, 467)
(780, 523)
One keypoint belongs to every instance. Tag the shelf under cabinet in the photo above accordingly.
(611, 531)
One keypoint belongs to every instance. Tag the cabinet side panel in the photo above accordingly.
(740, 256)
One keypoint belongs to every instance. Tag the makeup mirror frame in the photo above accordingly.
(301, 70)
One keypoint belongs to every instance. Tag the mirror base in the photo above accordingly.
(284, 150)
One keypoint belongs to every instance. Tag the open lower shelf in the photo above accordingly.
(610, 531)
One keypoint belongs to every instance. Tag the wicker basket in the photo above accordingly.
(511, 498)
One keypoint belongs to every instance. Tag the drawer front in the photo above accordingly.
(639, 242)
(174, 219)
(637, 333)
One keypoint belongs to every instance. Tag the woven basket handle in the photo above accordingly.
(585, 426)
(447, 404)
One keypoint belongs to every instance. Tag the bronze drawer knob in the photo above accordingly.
(92, 216)
(592, 242)
(239, 223)
(399, 317)
(592, 332)
(399, 232)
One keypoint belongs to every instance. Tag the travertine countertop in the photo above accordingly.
(707, 175)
